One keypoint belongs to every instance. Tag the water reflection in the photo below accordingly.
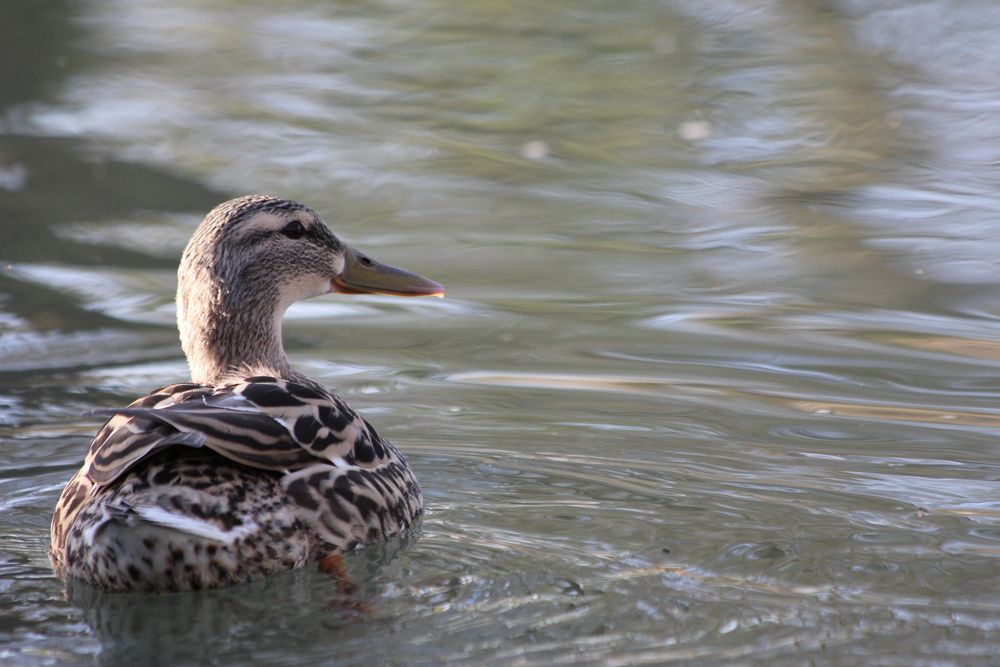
(294, 607)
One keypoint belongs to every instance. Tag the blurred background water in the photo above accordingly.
(716, 379)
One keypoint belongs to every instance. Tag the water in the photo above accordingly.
(716, 378)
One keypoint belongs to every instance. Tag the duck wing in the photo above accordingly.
(124, 440)
(260, 422)
(352, 486)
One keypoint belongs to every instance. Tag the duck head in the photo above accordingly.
(249, 260)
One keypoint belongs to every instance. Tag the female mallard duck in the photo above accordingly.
(251, 468)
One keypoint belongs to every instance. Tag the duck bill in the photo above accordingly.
(363, 275)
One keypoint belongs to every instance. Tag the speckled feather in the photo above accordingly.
(230, 478)
(323, 482)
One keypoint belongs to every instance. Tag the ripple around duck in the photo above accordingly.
(548, 540)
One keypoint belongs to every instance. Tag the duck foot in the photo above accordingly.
(344, 600)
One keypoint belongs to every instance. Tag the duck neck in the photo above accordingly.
(228, 334)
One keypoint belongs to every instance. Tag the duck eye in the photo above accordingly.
(293, 230)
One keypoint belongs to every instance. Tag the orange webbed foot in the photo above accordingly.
(333, 566)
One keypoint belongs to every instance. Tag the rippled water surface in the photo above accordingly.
(716, 379)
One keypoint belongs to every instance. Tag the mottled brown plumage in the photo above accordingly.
(252, 468)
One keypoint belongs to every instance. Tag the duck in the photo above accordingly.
(250, 468)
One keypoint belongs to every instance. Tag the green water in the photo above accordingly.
(716, 378)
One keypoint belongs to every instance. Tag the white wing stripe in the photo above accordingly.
(191, 525)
